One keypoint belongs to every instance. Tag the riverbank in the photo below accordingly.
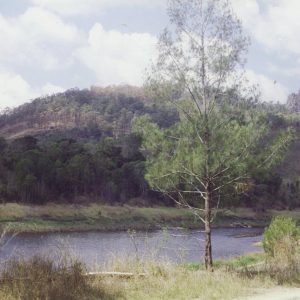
(96, 217)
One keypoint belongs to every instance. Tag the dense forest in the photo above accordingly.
(76, 145)
(79, 146)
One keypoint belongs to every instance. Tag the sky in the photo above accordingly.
(49, 46)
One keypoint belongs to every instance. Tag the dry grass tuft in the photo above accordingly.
(165, 280)
(284, 265)
(40, 278)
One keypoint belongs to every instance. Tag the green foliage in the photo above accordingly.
(83, 146)
(36, 172)
(176, 156)
(280, 243)
(281, 228)
(230, 264)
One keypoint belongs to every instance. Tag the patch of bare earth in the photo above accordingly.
(277, 293)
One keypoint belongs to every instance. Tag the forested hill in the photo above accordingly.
(90, 113)
(78, 145)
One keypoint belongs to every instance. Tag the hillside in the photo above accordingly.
(93, 112)
(78, 145)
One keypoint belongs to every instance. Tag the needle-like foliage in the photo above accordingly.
(220, 140)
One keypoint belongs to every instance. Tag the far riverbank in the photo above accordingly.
(96, 217)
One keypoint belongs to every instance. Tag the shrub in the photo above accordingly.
(280, 229)
(280, 244)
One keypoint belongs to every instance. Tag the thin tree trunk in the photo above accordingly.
(208, 249)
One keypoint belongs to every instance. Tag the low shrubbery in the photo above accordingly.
(281, 229)
(280, 243)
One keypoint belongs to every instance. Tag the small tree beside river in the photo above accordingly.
(222, 138)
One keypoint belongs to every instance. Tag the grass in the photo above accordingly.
(178, 284)
(40, 278)
(233, 264)
(71, 217)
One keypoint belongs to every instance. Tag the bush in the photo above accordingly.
(280, 229)
(280, 244)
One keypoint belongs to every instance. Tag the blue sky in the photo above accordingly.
(48, 46)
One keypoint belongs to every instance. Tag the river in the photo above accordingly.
(94, 248)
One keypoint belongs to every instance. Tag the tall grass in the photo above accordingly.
(284, 265)
(41, 278)
(169, 281)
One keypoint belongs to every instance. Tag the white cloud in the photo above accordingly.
(117, 57)
(15, 90)
(37, 38)
(271, 90)
(40, 41)
(85, 7)
(273, 23)
(49, 89)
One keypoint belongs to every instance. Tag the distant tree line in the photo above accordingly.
(108, 170)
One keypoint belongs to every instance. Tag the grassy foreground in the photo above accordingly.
(40, 278)
(71, 217)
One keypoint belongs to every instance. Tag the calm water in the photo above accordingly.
(96, 247)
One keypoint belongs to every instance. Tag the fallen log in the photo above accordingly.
(115, 274)
(252, 266)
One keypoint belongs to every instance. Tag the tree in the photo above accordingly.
(218, 143)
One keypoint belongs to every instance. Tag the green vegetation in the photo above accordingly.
(67, 170)
(234, 264)
(281, 228)
(77, 144)
(67, 163)
(280, 243)
(54, 158)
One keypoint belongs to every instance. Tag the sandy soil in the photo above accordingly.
(278, 293)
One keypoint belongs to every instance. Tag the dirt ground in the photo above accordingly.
(278, 293)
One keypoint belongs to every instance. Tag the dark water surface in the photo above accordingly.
(95, 248)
